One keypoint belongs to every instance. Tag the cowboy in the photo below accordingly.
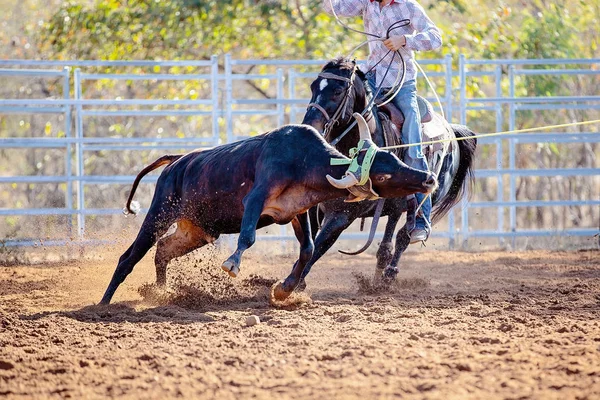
(419, 34)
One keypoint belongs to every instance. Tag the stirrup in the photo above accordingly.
(419, 235)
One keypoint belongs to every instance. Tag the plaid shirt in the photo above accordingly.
(421, 33)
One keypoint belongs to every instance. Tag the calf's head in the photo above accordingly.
(376, 173)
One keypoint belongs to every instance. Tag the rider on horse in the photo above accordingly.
(419, 34)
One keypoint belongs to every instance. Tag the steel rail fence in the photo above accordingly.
(289, 78)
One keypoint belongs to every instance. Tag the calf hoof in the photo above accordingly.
(279, 293)
(105, 301)
(301, 286)
(231, 268)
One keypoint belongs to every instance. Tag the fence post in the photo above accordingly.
(448, 90)
(228, 98)
(499, 155)
(499, 113)
(68, 151)
(215, 98)
(462, 71)
(79, 155)
(280, 96)
(512, 215)
(292, 93)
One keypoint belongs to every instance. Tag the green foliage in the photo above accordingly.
(188, 29)
(196, 29)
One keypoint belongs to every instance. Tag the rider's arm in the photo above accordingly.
(427, 36)
(344, 8)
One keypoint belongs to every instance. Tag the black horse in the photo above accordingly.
(342, 89)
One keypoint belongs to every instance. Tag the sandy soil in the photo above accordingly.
(456, 325)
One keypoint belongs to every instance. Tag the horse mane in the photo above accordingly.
(342, 63)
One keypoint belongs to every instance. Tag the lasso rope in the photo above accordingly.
(398, 83)
(539, 128)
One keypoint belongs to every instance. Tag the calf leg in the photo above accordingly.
(188, 237)
(301, 225)
(152, 228)
(402, 241)
(253, 206)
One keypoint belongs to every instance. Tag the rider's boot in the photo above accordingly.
(423, 221)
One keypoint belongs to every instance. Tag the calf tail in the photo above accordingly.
(133, 207)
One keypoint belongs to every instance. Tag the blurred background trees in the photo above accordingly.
(195, 29)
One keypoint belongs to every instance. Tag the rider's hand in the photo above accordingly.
(395, 42)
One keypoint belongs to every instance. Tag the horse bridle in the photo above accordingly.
(340, 110)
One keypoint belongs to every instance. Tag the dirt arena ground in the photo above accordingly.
(493, 325)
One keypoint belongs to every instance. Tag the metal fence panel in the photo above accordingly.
(284, 98)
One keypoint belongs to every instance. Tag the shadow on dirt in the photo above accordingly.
(181, 304)
(542, 294)
(125, 312)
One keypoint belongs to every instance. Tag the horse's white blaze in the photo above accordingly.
(323, 84)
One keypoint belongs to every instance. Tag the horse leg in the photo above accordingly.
(188, 237)
(301, 225)
(333, 226)
(384, 253)
(402, 241)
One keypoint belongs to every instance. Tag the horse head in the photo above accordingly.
(339, 91)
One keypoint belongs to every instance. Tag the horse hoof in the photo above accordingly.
(389, 274)
(279, 293)
(231, 268)
(378, 277)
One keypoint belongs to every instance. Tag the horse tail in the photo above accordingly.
(164, 160)
(464, 178)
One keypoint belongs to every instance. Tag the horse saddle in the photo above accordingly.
(425, 110)
(434, 128)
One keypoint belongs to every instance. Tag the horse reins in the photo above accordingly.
(369, 105)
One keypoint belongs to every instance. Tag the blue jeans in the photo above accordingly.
(406, 101)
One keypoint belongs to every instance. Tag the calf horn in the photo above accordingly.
(363, 128)
(349, 179)
(345, 182)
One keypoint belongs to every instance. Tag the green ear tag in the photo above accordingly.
(354, 168)
(339, 161)
(366, 165)
(353, 154)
